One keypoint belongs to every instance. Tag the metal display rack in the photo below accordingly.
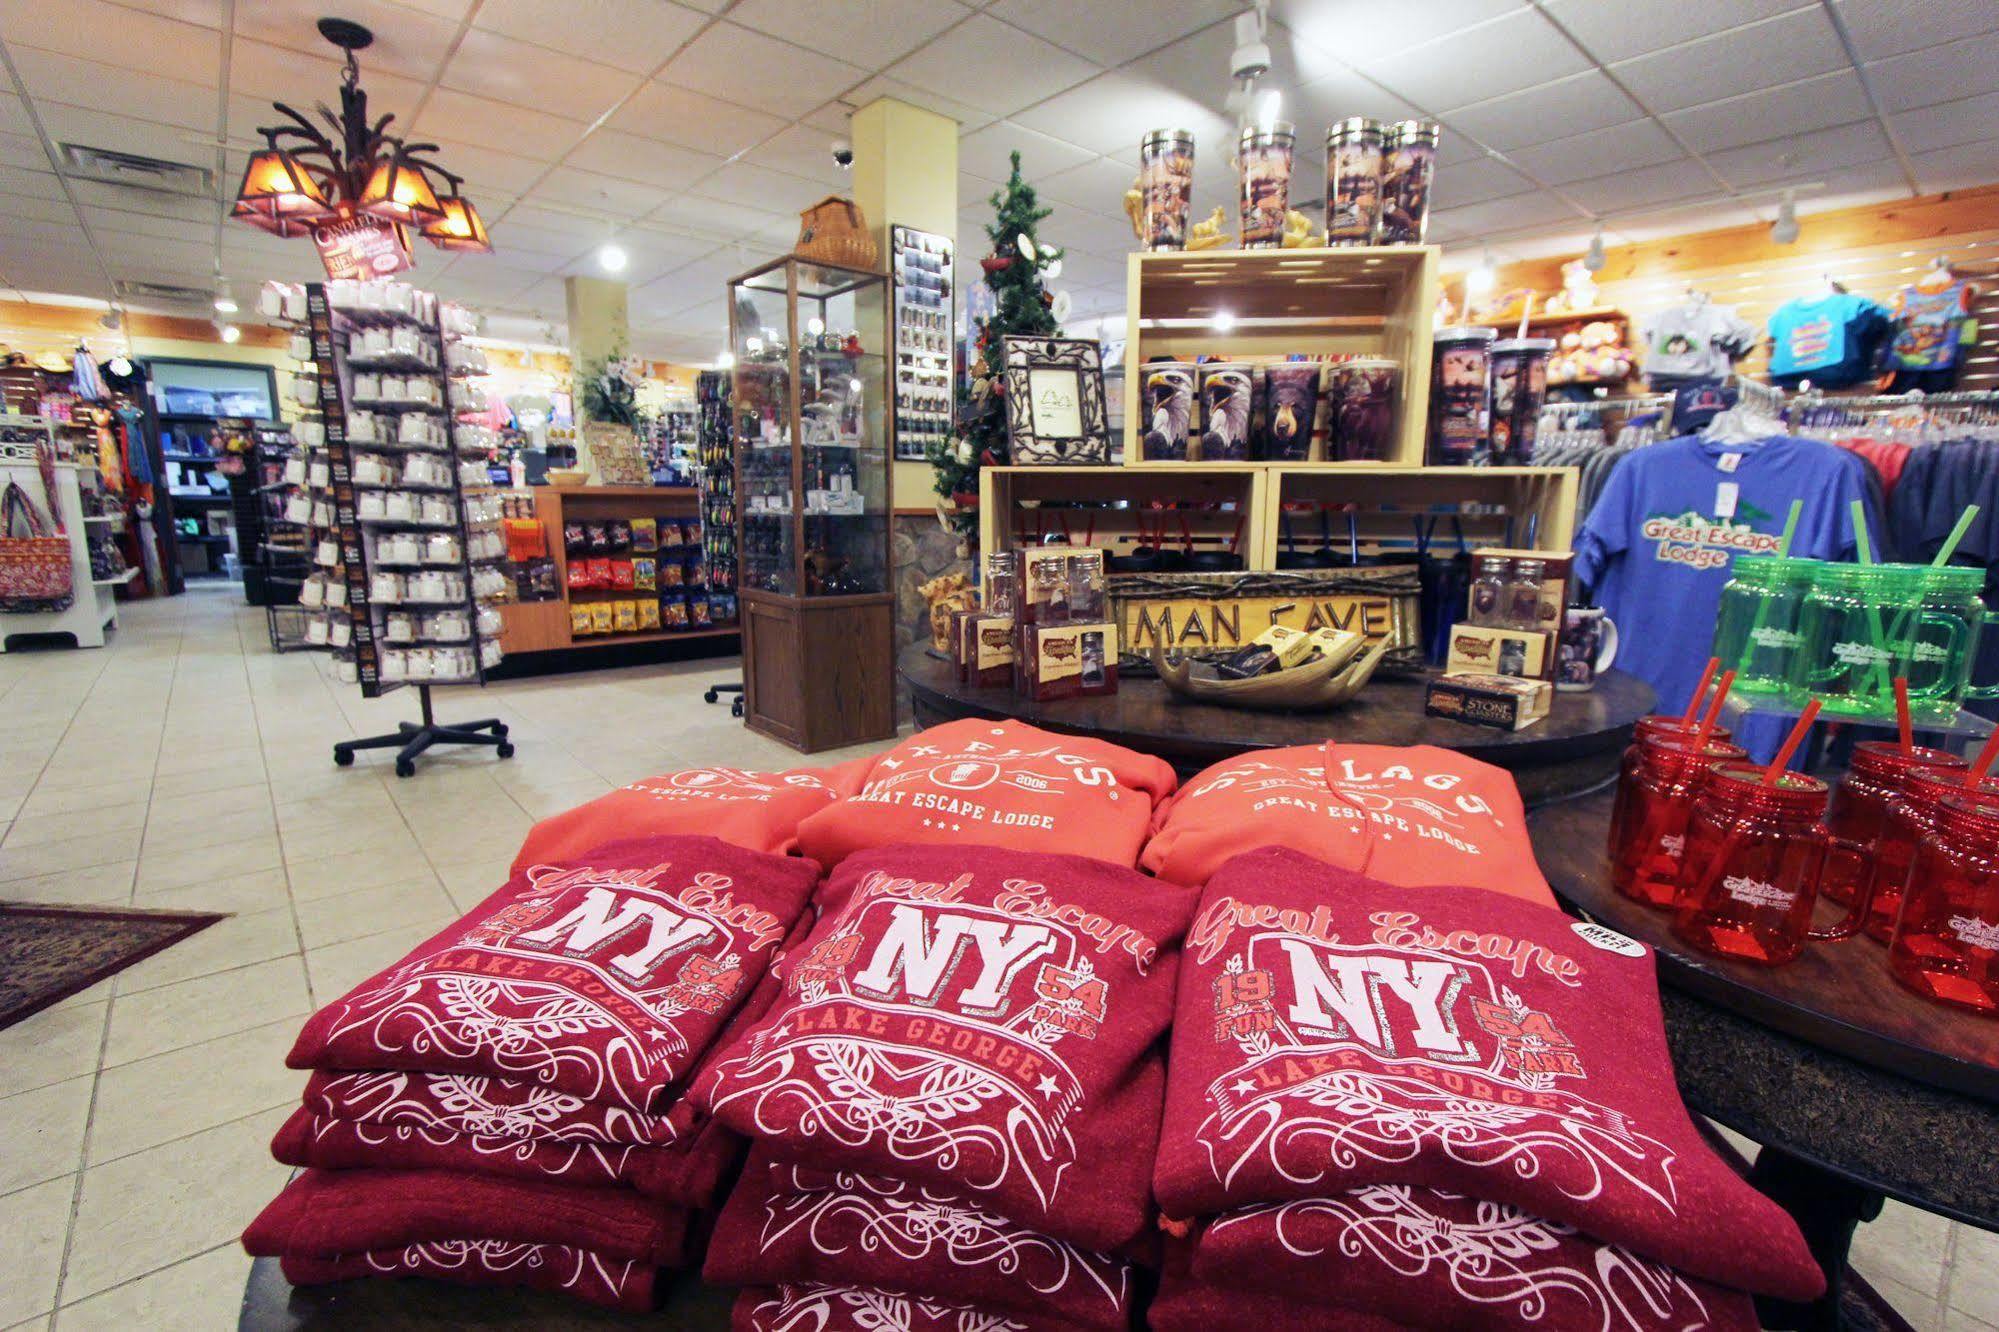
(361, 571)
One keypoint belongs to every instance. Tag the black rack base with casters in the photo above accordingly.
(715, 692)
(412, 738)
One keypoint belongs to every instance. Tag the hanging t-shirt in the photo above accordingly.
(1830, 340)
(1661, 541)
(1929, 326)
(1694, 341)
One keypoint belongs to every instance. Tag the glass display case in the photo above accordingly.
(809, 423)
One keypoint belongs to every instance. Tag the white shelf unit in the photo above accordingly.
(94, 608)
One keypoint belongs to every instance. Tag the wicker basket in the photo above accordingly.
(833, 231)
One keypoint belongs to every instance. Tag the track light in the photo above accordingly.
(231, 333)
(1784, 231)
(1481, 279)
(1595, 259)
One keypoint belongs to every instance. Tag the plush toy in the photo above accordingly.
(1578, 291)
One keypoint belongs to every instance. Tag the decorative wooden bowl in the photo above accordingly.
(1324, 683)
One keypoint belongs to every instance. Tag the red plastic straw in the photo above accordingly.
(1714, 713)
(1775, 772)
(1694, 703)
(1983, 763)
(1902, 722)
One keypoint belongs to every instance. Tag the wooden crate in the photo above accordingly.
(1525, 507)
(1367, 300)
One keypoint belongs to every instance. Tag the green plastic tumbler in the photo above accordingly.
(1865, 624)
(1943, 644)
(1756, 632)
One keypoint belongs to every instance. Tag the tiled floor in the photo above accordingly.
(187, 766)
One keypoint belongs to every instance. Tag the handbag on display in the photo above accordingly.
(35, 572)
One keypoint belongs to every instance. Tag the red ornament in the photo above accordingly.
(1048, 299)
(996, 263)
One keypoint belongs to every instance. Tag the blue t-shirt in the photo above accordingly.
(1658, 546)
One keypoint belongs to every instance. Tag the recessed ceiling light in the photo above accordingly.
(611, 257)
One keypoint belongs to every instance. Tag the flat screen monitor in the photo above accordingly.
(213, 389)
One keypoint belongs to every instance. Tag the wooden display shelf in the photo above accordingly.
(1364, 300)
(1241, 506)
(1608, 313)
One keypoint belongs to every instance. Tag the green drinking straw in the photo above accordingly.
(1860, 532)
(1964, 522)
(1790, 528)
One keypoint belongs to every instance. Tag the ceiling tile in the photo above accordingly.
(1566, 107)
(635, 35)
(267, 72)
(1949, 124)
(760, 188)
(36, 184)
(1790, 108)
(126, 199)
(991, 66)
(518, 240)
(41, 210)
(988, 152)
(20, 150)
(1957, 168)
(1615, 32)
(1315, 105)
(14, 115)
(805, 150)
(1785, 49)
(49, 77)
(489, 65)
(1097, 186)
(1641, 143)
(1823, 152)
(1668, 182)
(207, 13)
(148, 138)
(407, 41)
(721, 222)
(1472, 182)
(1112, 112)
(1349, 28)
(488, 171)
(146, 224)
(694, 120)
(114, 35)
(1882, 28)
(736, 64)
(468, 119)
(870, 33)
(634, 157)
(1924, 78)
(591, 192)
(1113, 34)
(1065, 227)
(1468, 66)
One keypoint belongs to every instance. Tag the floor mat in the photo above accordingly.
(48, 953)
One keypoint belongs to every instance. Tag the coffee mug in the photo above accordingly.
(1589, 646)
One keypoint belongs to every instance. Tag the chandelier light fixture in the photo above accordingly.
(303, 180)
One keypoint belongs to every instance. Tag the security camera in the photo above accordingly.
(843, 153)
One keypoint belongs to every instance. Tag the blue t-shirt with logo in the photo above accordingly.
(1660, 544)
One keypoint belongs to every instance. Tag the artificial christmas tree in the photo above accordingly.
(1014, 273)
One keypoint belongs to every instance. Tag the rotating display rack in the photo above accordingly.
(410, 560)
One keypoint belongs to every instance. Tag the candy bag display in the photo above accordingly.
(1333, 1032)
(648, 614)
(644, 575)
(619, 968)
(1005, 783)
(1411, 815)
(645, 534)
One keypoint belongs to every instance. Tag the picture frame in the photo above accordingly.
(1055, 415)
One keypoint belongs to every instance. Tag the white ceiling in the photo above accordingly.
(697, 130)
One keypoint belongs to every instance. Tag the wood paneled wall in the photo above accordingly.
(1873, 250)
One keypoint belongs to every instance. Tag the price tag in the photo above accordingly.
(1725, 496)
(1730, 461)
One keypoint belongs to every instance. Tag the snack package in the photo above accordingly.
(645, 534)
(644, 573)
(573, 538)
(600, 573)
(673, 613)
(648, 611)
(670, 573)
(697, 573)
(596, 537)
(579, 619)
(625, 615)
(579, 574)
(620, 534)
(601, 618)
(697, 612)
(621, 575)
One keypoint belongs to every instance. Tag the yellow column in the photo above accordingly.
(599, 327)
(906, 171)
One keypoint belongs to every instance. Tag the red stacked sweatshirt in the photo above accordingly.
(759, 811)
(621, 1283)
(791, 1225)
(1333, 1033)
(965, 1018)
(812, 1308)
(1399, 814)
(1003, 783)
(604, 977)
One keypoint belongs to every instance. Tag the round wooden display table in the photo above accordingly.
(1858, 1089)
(1573, 748)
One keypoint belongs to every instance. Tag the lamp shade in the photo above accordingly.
(398, 191)
(278, 195)
(459, 227)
